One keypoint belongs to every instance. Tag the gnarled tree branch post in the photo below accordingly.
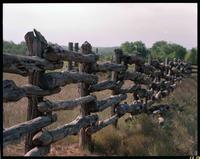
(35, 47)
(85, 140)
(116, 59)
(70, 48)
(148, 86)
(166, 61)
(76, 48)
(149, 59)
(137, 69)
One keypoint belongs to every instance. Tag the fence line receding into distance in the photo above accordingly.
(151, 82)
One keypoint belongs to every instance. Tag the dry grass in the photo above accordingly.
(139, 137)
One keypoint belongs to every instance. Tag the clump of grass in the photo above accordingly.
(107, 141)
(134, 145)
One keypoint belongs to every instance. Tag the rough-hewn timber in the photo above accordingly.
(70, 48)
(134, 59)
(160, 107)
(31, 126)
(57, 79)
(138, 90)
(102, 124)
(36, 44)
(38, 151)
(135, 108)
(85, 140)
(73, 128)
(24, 65)
(107, 102)
(117, 59)
(12, 93)
(148, 69)
(57, 53)
(109, 67)
(161, 80)
(48, 106)
(107, 84)
(137, 77)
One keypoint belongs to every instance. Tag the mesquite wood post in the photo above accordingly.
(148, 86)
(35, 46)
(70, 48)
(116, 59)
(85, 139)
(76, 48)
(137, 69)
(166, 61)
(149, 59)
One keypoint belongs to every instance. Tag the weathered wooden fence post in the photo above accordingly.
(166, 64)
(149, 59)
(35, 47)
(76, 48)
(148, 86)
(70, 47)
(116, 59)
(137, 69)
(85, 140)
(166, 61)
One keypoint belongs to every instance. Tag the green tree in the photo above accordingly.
(127, 47)
(179, 50)
(12, 48)
(191, 56)
(163, 49)
(139, 46)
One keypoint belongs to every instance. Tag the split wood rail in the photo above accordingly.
(151, 82)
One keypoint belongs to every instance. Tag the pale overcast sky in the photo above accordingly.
(103, 24)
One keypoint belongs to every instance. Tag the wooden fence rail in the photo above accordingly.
(11, 92)
(18, 131)
(24, 65)
(152, 81)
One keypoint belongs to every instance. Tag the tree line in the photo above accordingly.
(159, 50)
(12, 48)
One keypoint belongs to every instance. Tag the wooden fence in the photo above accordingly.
(151, 82)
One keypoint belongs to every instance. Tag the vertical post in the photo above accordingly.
(148, 86)
(85, 140)
(76, 48)
(70, 47)
(116, 59)
(35, 46)
(137, 69)
(149, 59)
(166, 61)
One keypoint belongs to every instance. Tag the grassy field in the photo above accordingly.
(142, 136)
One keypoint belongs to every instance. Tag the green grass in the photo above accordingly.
(143, 136)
